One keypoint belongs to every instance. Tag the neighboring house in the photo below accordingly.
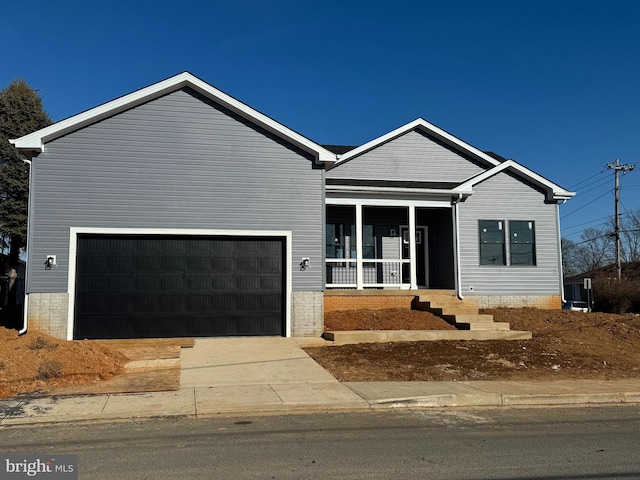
(574, 286)
(177, 210)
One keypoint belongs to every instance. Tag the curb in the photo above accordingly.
(505, 400)
(430, 401)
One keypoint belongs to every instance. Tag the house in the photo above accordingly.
(605, 278)
(177, 210)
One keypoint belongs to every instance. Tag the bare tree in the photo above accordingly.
(596, 247)
(630, 237)
(571, 258)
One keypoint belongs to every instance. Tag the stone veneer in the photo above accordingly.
(48, 313)
(307, 314)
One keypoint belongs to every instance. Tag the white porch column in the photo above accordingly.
(455, 217)
(413, 251)
(359, 262)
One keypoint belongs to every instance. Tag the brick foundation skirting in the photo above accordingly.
(333, 303)
(543, 302)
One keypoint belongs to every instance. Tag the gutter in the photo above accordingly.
(25, 305)
(456, 240)
(392, 190)
(560, 270)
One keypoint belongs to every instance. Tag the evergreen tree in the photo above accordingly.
(21, 113)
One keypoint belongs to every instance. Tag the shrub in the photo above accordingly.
(40, 343)
(615, 296)
(49, 369)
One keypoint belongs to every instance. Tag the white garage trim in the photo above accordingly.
(73, 245)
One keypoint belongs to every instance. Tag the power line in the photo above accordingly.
(627, 213)
(593, 238)
(587, 179)
(586, 204)
(600, 182)
(585, 223)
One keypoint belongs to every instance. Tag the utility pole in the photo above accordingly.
(617, 168)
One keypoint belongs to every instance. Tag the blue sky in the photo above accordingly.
(554, 85)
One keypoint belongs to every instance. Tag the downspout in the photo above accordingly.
(456, 240)
(560, 253)
(25, 304)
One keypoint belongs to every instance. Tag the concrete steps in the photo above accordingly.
(382, 336)
(458, 313)
(469, 323)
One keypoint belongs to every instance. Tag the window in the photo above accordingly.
(492, 242)
(340, 241)
(335, 241)
(523, 242)
(368, 242)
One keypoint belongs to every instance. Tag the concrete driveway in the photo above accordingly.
(270, 372)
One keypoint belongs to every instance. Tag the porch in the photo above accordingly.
(390, 247)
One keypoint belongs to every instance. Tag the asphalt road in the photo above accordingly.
(544, 443)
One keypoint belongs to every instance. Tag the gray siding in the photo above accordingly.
(413, 156)
(177, 162)
(503, 197)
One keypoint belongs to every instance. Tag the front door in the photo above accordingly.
(422, 256)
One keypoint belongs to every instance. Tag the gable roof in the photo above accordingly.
(431, 129)
(494, 162)
(35, 142)
(554, 191)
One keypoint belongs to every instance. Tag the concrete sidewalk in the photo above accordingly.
(231, 376)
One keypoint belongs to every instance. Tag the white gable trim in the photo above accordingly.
(34, 142)
(424, 125)
(554, 192)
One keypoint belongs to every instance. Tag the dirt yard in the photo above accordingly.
(36, 362)
(565, 345)
(387, 319)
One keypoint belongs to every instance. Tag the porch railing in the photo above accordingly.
(376, 273)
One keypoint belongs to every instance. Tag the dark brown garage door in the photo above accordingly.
(138, 286)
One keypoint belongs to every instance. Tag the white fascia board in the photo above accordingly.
(554, 192)
(419, 123)
(427, 202)
(398, 190)
(35, 141)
